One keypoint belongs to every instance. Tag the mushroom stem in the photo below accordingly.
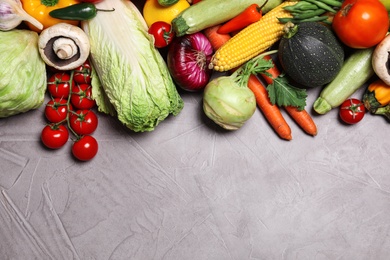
(64, 48)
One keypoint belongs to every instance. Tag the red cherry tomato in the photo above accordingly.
(352, 111)
(81, 97)
(162, 33)
(56, 110)
(82, 74)
(361, 23)
(83, 121)
(54, 136)
(85, 148)
(58, 85)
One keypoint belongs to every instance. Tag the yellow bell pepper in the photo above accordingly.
(40, 9)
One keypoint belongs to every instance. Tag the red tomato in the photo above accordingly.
(56, 110)
(162, 33)
(82, 74)
(361, 23)
(54, 136)
(352, 111)
(58, 85)
(83, 121)
(81, 96)
(85, 148)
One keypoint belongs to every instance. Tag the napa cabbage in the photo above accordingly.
(134, 82)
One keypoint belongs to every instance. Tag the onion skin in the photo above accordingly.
(188, 61)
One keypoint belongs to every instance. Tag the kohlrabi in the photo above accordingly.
(228, 101)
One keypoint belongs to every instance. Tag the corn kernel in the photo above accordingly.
(251, 41)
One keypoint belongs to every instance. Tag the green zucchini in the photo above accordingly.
(356, 70)
(167, 2)
(212, 12)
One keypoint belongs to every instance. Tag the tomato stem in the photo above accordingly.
(354, 108)
(68, 106)
(49, 2)
(345, 9)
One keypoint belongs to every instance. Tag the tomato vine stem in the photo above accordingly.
(68, 107)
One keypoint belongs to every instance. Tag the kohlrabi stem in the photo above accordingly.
(254, 66)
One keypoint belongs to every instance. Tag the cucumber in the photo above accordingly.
(167, 2)
(212, 12)
(356, 70)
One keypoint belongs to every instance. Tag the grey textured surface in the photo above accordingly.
(190, 190)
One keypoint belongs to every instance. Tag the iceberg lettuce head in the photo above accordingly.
(22, 72)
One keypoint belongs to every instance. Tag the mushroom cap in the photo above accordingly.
(380, 60)
(64, 46)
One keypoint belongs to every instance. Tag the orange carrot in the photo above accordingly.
(274, 71)
(271, 112)
(301, 117)
(216, 39)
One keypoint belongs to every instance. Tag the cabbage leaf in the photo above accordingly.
(22, 73)
(132, 73)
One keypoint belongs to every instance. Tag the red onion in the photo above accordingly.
(188, 61)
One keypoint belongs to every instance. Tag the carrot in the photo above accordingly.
(271, 112)
(301, 117)
(216, 39)
(250, 15)
(274, 71)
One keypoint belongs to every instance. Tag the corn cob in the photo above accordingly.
(252, 40)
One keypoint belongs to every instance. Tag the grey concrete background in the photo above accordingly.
(191, 190)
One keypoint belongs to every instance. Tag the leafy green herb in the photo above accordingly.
(282, 93)
(254, 66)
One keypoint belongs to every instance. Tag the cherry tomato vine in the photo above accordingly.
(71, 109)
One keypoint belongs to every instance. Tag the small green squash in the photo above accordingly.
(376, 95)
(310, 54)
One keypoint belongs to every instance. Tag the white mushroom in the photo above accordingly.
(64, 46)
(380, 60)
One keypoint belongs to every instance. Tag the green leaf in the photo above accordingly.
(254, 66)
(282, 93)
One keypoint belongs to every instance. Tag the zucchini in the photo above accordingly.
(356, 70)
(212, 12)
(167, 2)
